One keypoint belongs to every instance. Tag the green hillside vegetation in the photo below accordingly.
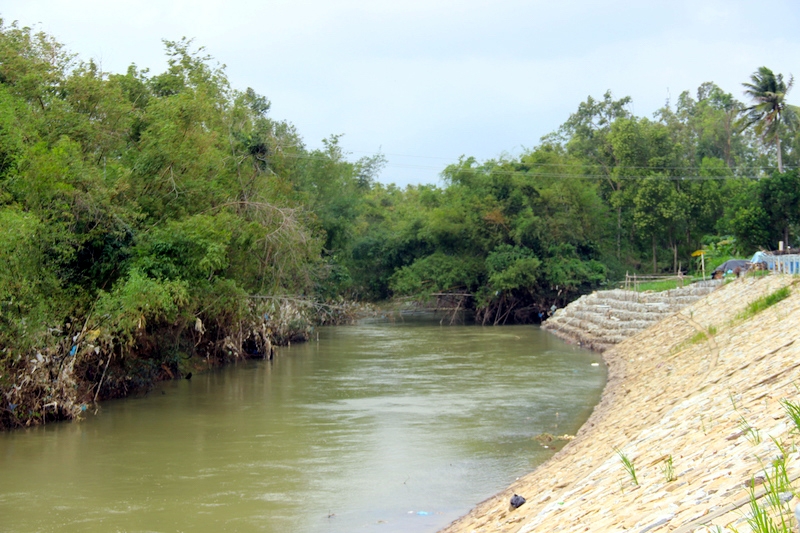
(155, 223)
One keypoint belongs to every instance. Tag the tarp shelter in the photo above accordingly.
(732, 264)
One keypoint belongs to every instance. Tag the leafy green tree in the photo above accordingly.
(390, 235)
(780, 199)
(705, 127)
(586, 132)
(660, 214)
(436, 273)
(587, 135)
(34, 65)
(746, 219)
(704, 199)
(561, 207)
(762, 212)
(327, 185)
(568, 274)
(512, 268)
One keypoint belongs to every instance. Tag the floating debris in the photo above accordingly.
(547, 438)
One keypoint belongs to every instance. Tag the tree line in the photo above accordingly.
(605, 194)
(148, 221)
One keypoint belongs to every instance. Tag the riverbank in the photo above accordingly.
(698, 396)
(86, 361)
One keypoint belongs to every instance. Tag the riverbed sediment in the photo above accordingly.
(693, 403)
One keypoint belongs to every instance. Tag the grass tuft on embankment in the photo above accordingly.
(764, 302)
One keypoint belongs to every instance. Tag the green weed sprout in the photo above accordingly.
(668, 469)
(628, 465)
(793, 410)
(753, 435)
(761, 522)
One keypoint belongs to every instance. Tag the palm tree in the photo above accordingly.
(769, 111)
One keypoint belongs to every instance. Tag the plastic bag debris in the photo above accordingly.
(517, 500)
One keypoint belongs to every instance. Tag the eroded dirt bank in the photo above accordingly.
(703, 387)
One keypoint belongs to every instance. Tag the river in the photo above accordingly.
(380, 427)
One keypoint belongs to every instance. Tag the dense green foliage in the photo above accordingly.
(146, 219)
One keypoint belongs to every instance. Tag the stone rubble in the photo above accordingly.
(703, 387)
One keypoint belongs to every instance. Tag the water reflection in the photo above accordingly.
(377, 427)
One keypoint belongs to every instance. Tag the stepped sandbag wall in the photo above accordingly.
(605, 318)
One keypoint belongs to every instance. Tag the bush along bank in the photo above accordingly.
(75, 366)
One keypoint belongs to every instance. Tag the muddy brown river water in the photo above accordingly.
(381, 427)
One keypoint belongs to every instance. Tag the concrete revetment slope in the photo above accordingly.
(703, 387)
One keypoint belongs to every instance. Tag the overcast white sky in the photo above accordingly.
(425, 81)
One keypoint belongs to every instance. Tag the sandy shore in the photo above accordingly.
(702, 388)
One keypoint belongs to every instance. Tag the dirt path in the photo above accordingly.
(708, 402)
